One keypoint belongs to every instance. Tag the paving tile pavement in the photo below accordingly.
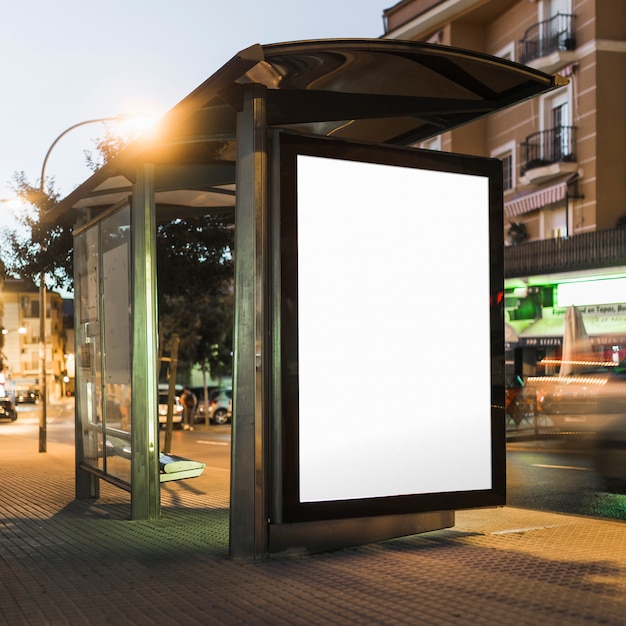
(64, 561)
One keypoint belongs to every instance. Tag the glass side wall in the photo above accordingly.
(103, 345)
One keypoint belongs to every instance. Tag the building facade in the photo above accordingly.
(564, 160)
(20, 333)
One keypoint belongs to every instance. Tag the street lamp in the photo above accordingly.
(98, 120)
(42, 285)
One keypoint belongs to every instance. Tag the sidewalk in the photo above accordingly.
(64, 561)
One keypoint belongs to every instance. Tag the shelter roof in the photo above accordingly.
(372, 90)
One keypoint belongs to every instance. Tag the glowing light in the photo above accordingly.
(12, 203)
(578, 380)
(606, 291)
(579, 362)
(137, 123)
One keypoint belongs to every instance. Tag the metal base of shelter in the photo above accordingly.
(312, 537)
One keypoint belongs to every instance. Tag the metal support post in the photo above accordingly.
(43, 391)
(145, 484)
(248, 501)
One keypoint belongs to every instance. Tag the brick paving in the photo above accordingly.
(64, 561)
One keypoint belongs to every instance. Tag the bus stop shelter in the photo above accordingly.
(222, 150)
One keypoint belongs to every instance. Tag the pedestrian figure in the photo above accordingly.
(189, 401)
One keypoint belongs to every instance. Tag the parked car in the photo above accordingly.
(177, 412)
(220, 405)
(24, 395)
(7, 408)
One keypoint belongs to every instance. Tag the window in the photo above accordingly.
(554, 142)
(431, 144)
(505, 154)
(559, 124)
(558, 140)
(507, 171)
(553, 220)
(554, 7)
(508, 52)
(553, 33)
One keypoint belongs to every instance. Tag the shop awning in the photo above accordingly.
(530, 201)
(547, 331)
(602, 330)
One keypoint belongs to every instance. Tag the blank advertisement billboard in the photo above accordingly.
(391, 297)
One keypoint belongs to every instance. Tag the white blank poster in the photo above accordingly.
(394, 335)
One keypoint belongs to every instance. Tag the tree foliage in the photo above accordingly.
(39, 247)
(194, 266)
(105, 149)
(194, 273)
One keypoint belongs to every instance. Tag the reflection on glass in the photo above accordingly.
(103, 344)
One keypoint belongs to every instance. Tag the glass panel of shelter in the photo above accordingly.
(103, 339)
(88, 397)
(116, 337)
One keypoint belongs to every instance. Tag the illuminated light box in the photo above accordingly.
(606, 291)
(391, 330)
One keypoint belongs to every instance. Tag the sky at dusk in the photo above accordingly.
(68, 61)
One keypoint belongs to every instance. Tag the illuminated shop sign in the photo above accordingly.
(591, 292)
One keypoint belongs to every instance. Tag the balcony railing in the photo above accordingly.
(548, 146)
(601, 248)
(544, 38)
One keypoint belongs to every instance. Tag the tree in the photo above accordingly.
(106, 148)
(48, 250)
(214, 348)
(194, 265)
(194, 274)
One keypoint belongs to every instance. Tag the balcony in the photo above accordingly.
(598, 249)
(547, 154)
(551, 38)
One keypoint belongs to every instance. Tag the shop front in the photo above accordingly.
(537, 328)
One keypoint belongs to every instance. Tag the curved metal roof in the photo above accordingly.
(375, 90)
(386, 91)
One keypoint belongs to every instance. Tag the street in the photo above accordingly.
(558, 476)
(210, 445)
(547, 475)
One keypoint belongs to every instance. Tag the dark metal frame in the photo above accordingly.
(292, 509)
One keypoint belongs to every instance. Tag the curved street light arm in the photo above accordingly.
(42, 180)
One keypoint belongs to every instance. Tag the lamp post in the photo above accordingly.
(43, 395)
